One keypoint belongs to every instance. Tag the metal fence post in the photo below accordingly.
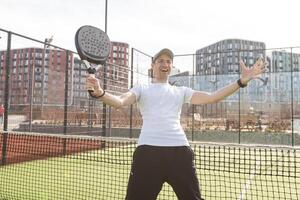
(66, 102)
(292, 99)
(131, 85)
(193, 106)
(6, 95)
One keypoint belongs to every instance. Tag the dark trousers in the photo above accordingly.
(152, 166)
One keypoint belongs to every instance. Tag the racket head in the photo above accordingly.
(92, 44)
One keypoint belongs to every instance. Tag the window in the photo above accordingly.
(38, 85)
(229, 59)
(251, 62)
(236, 45)
(114, 72)
(236, 59)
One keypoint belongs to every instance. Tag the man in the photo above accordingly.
(163, 153)
(1, 114)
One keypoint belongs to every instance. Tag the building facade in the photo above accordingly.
(35, 73)
(283, 61)
(38, 72)
(218, 65)
(117, 74)
(118, 68)
(223, 57)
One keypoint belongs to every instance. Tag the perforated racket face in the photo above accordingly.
(92, 44)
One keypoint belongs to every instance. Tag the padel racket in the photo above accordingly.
(93, 47)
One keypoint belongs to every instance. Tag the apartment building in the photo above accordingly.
(117, 74)
(284, 61)
(35, 73)
(223, 57)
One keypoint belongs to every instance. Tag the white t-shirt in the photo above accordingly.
(160, 105)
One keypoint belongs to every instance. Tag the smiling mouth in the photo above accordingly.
(164, 70)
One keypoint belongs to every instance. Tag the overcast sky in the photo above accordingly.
(149, 25)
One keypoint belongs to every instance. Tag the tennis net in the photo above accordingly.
(45, 166)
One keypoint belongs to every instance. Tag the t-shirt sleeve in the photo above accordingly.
(137, 91)
(188, 93)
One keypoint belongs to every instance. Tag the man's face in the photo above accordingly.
(162, 67)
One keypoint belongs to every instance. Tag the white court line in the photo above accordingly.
(249, 181)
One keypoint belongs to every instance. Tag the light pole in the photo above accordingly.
(46, 45)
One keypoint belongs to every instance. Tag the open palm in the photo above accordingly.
(249, 73)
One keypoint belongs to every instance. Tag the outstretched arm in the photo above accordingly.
(247, 75)
(125, 99)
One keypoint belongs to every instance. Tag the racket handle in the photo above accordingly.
(90, 92)
(91, 71)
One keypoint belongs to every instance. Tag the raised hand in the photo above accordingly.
(93, 86)
(249, 73)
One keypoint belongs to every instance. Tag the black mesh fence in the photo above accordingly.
(43, 166)
(56, 142)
